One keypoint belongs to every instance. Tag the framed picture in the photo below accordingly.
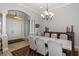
(37, 25)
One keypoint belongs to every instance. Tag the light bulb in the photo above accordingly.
(42, 15)
(16, 17)
(46, 12)
(51, 14)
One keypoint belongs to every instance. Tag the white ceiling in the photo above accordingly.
(39, 7)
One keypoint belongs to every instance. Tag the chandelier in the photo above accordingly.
(46, 14)
(13, 14)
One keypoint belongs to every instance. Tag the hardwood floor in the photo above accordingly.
(25, 51)
(21, 52)
(15, 41)
(13, 47)
(20, 46)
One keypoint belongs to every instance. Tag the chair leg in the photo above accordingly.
(29, 51)
(34, 53)
(47, 54)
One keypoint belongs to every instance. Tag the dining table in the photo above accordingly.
(66, 44)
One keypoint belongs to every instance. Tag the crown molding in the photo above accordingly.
(35, 11)
(61, 6)
(20, 4)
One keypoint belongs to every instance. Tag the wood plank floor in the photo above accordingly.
(15, 41)
(20, 46)
(21, 52)
(25, 51)
(13, 47)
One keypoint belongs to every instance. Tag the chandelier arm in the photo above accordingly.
(47, 15)
(47, 6)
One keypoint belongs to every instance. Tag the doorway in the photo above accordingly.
(17, 28)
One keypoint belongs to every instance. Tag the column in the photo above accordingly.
(32, 26)
(4, 34)
(3, 23)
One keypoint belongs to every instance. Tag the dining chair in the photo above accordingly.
(46, 34)
(54, 49)
(32, 45)
(39, 33)
(41, 48)
(63, 36)
(54, 36)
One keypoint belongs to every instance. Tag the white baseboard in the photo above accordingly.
(5, 49)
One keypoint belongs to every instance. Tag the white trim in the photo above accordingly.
(60, 6)
(20, 4)
(5, 49)
(37, 12)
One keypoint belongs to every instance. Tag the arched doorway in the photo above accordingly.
(17, 28)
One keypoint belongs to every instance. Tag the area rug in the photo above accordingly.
(24, 51)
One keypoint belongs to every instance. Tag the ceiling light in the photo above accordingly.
(17, 17)
(12, 14)
(46, 14)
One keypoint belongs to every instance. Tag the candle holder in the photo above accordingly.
(71, 28)
(67, 29)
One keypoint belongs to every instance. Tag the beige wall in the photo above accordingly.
(64, 16)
